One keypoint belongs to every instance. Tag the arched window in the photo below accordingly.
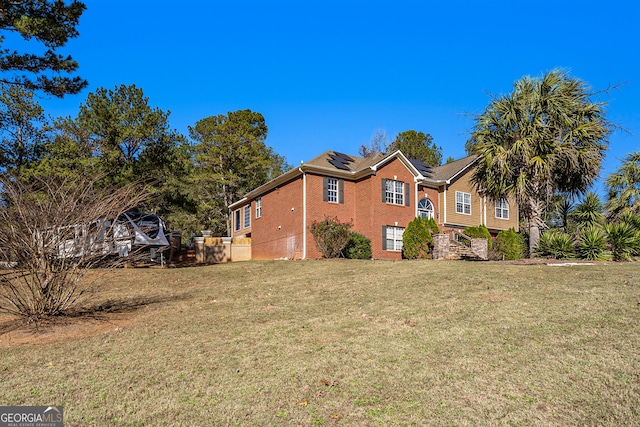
(425, 208)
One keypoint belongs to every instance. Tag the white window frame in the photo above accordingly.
(394, 192)
(502, 209)
(394, 238)
(247, 216)
(423, 208)
(259, 207)
(463, 203)
(332, 190)
(236, 220)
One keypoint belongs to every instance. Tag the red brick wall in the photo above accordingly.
(317, 209)
(278, 233)
(373, 213)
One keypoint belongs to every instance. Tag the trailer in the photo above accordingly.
(132, 232)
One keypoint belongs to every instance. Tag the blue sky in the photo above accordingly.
(327, 74)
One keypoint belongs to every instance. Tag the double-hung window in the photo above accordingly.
(259, 207)
(392, 238)
(463, 203)
(395, 192)
(247, 216)
(502, 209)
(333, 190)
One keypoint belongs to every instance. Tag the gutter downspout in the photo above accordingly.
(417, 199)
(304, 213)
(485, 211)
(446, 186)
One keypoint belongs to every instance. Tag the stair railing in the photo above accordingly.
(460, 238)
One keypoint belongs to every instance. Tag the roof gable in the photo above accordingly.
(450, 171)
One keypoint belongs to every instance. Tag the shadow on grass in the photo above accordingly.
(102, 312)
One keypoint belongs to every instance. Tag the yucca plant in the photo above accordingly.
(592, 243)
(589, 211)
(624, 240)
(632, 219)
(556, 244)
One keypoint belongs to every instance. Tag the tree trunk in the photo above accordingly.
(535, 222)
(534, 238)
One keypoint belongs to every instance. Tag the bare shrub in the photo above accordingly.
(52, 232)
(331, 236)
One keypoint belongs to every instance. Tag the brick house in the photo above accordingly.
(380, 195)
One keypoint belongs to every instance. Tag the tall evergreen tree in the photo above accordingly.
(23, 128)
(51, 23)
(131, 139)
(417, 146)
(231, 159)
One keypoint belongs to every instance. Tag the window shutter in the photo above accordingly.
(384, 190)
(341, 191)
(384, 236)
(324, 189)
(407, 200)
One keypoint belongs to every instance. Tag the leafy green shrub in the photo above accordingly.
(358, 247)
(592, 243)
(479, 232)
(556, 244)
(624, 241)
(508, 245)
(416, 239)
(432, 226)
(331, 236)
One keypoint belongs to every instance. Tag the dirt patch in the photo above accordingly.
(109, 316)
(15, 332)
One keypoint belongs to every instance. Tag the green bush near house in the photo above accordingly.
(479, 232)
(508, 245)
(417, 240)
(358, 247)
(432, 226)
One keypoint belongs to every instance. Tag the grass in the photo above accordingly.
(366, 343)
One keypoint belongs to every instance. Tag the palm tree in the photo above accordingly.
(546, 136)
(623, 188)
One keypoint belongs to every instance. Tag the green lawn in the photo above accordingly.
(345, 342)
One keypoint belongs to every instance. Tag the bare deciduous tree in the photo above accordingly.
(378, 143)
(51, 233)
